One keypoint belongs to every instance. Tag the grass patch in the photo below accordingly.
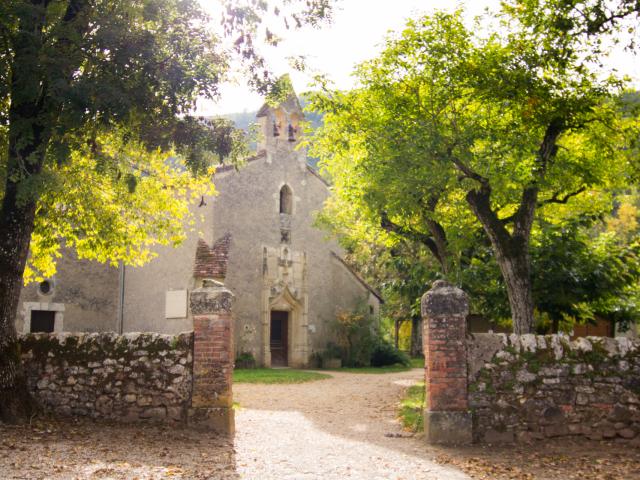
(417, 362)
(388, 369)
(280, 375)
(411, 408)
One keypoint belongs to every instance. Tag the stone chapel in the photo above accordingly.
(256, 235)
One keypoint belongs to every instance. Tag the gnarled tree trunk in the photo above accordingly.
(16, 225)
(511, 250)
(515, 268)
(30, 123)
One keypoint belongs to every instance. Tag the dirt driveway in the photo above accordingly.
(343, 427)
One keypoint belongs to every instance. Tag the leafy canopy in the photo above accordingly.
(444, 110)
(95, 97)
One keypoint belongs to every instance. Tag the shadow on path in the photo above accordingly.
(343, 427)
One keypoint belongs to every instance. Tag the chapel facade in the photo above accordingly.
(257, 235)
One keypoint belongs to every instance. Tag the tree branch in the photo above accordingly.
(410, 234)
(467, 171)
(548, 147)
(555, 198)
(523, 218)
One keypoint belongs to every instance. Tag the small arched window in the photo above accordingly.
(286, 200)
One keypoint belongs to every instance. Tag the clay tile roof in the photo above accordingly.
(211, 262)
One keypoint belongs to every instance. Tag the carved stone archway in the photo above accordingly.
(280, 297)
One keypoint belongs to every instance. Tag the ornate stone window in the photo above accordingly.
(286, 200)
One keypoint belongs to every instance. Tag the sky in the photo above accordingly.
(356, 34)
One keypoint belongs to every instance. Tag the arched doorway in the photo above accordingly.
(284, 331)
(279, 338)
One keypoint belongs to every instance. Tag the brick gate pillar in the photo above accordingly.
(447, 419)
(213, 356)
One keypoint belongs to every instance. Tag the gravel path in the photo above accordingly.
(343, 427)
(330, 429)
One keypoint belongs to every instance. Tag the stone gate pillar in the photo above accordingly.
(213, 357)
(447, 419)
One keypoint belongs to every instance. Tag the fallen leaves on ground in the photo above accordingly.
(83, 449)
(566, 459)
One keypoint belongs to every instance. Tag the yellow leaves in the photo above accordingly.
(102, 213)
(625, 223)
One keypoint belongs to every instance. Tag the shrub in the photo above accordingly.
(245, 360)
(355, 337)
(384, 353)
(332, 351)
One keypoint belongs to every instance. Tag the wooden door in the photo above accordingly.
(279, 338)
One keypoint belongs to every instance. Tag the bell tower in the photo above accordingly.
(280, 125)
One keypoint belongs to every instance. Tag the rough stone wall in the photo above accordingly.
(87, 289)
(136, 376)
(533, 387)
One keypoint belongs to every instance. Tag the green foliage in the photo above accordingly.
(578, 276)
(95, 124)
(271, 376)
(384, 353)
(245, 360)
(411, 411)
(417, 362)
(331, 351)
(464, 131)
(359, 343)
(355, 336)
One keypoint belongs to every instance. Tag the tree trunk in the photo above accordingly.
(511, 250)
(16, 225)
(416, 337)
(397, 333)
(31, 117)
(516, 273)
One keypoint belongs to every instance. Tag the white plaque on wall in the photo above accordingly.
(176, 304)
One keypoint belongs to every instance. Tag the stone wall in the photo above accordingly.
(136, 376)
(533, 387)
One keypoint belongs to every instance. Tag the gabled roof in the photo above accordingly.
(291, 104)
(225, 168)
(317, 175)
(358, 277)
(264, 109)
